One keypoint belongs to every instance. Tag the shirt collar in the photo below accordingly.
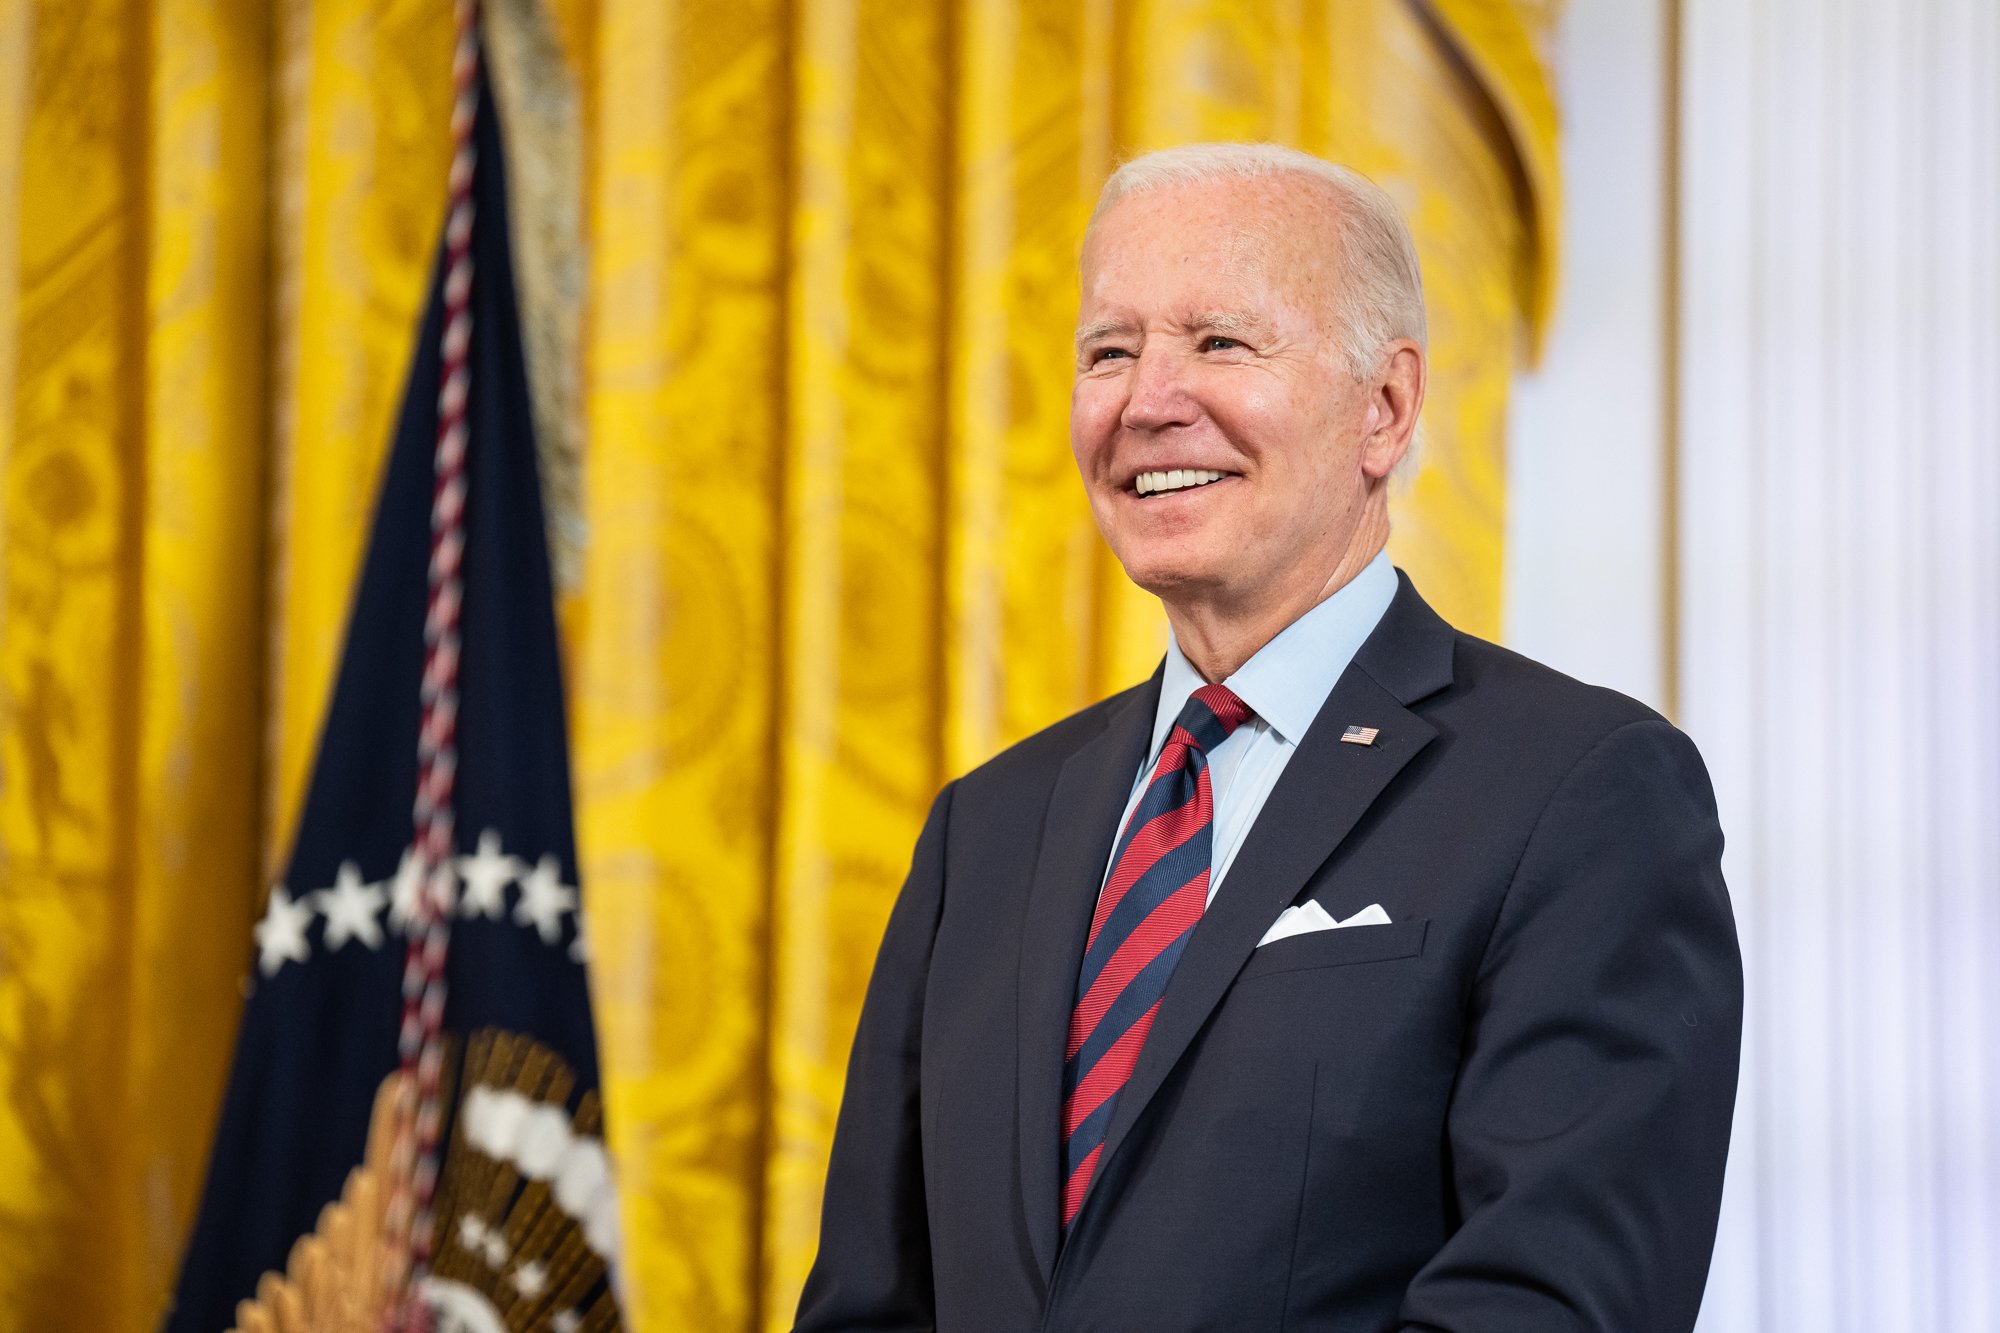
(1288, 679)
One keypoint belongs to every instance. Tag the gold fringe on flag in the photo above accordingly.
(524, 1215)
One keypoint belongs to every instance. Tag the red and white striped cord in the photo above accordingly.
(421, 1041)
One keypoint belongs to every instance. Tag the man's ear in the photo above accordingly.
(1394, 401)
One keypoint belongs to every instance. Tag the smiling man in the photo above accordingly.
(1349, 974)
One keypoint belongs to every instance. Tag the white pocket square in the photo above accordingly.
(1310, 916)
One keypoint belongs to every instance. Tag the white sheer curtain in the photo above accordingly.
(1839, 640)
(1827, 622)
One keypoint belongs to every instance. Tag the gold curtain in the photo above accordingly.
(831, 547)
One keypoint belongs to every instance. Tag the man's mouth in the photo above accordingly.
(1174, 479)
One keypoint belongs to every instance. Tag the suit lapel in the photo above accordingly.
(1325, 790)
(1089, 796)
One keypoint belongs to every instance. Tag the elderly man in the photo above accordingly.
(1351, 973)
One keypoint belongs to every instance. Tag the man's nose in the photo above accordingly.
(1160, 395)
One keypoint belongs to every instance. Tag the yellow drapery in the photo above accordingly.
(833, 550)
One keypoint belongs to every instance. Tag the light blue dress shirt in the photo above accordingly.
(1285, 684)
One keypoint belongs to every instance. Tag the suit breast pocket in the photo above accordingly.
(1336, 948)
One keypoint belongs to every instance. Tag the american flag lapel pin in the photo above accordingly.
(1359, 735)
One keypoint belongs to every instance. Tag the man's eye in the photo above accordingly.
(1215, 342)
(1106, 353)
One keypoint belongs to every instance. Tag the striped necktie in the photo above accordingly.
(1156, 892)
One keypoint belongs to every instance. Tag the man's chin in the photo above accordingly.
(1175, 581)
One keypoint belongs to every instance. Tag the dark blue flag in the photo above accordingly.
(525, 1220)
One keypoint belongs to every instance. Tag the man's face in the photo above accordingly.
(1207, 345)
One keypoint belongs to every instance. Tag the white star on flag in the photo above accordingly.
(281, 935)
(486, 875)
(530, 1279)
(566, 1321)
(544, 899)
(350, 908)
(403, 890)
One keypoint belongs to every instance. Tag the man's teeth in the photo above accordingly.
(1176, 479)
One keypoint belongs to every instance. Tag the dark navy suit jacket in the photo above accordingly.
(1505, 1112)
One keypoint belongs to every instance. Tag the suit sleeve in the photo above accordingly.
(873, 1270)
(1590, 1121)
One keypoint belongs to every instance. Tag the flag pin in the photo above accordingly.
(1359, 736)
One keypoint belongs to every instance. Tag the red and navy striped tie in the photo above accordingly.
(1156, 892)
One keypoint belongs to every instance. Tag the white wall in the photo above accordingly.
(1586, 577)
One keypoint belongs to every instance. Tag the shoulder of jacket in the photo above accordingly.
(1518, 692)
(1045, 750)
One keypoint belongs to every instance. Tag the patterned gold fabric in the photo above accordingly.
(133, 461)
(826, 548)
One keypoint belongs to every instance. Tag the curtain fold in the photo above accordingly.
(828, 545)
(131, 623)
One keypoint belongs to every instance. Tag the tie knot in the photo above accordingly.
(1211, 714)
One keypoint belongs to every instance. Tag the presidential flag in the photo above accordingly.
(452, 631)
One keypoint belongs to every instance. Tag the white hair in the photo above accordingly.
(1381, 288)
